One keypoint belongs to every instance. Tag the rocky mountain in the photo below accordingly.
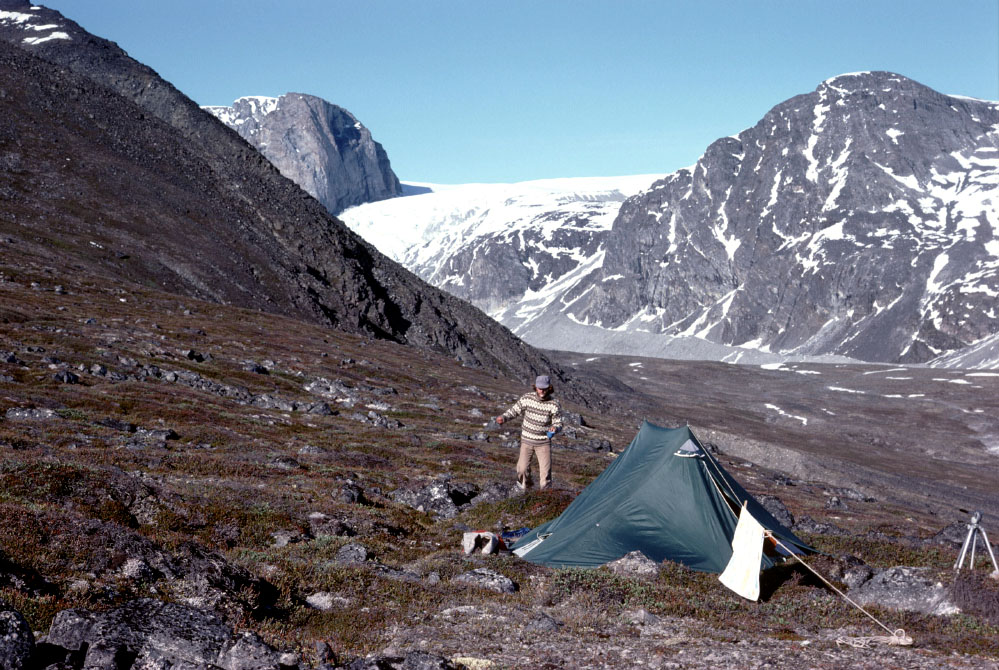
(858, 221)
(498, 244)
(321, 147)
(105, 166)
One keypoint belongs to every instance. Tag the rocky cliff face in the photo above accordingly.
(501, 246)
(860, 219)
(107, 167)
(321, 147)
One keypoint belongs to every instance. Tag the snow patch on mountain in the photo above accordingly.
(25, 22)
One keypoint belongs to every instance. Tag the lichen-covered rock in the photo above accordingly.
(351, 554)
(906, 588)
(157, 635)
(17, 642)
(249, 652)
(635, 564)
(484, 578)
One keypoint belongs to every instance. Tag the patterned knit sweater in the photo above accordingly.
(539, 415)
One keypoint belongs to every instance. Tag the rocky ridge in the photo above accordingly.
(138, 181)
(318, 145)
(858, 221)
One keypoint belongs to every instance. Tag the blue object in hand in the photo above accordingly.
(551, 434)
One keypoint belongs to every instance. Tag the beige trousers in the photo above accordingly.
(543, 450)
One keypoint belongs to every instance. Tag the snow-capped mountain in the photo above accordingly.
(860, 220)
(318, 145)
(498, 245)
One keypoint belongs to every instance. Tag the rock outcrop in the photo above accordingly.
(318, 145)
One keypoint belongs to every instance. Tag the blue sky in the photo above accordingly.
(474, 91)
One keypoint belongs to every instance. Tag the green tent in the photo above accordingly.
(665, 496)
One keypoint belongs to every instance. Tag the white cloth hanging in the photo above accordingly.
(742, 574)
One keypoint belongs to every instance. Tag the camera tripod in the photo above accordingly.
(974, 529)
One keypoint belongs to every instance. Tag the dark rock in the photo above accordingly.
(807, 524)
(397, 574)
(383, 421)
(319, 408)
(542, 623)
(777, 509)
(197, 356)
(857, 575)
(494, 492)
(351, 554)
(266, 401)
(157, 434)
(415, 660)
(249, 652)
(70, 629)
(117, 424)
(17, 642)
(285, 463)
(154, 634)
(66, 377)
(350, 492)
(952, 535)
(484, 578)
(835, 504)
(435, 498)
(321, 525)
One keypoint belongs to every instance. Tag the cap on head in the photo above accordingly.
(542, 382)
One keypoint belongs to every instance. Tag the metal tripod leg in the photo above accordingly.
(964, 547)
(989, 547)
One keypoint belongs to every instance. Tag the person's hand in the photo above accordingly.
(500, 420)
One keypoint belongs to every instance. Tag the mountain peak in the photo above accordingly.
(320, 146)
(36, 22)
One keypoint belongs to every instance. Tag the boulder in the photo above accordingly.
(249, 652)
(775, 506)
(484, 578)
(906, 588)
(153, 634)
(635, 564)
(352, 554)
(17, 642)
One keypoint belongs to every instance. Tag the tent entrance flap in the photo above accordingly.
(658, 499)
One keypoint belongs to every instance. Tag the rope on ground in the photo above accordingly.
(895, 637)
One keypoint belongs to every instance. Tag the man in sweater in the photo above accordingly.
(542, 420)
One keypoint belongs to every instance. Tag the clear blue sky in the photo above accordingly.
(468, 90)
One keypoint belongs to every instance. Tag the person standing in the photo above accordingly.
(542, 421)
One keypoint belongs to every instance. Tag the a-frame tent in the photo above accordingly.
(665, 496)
